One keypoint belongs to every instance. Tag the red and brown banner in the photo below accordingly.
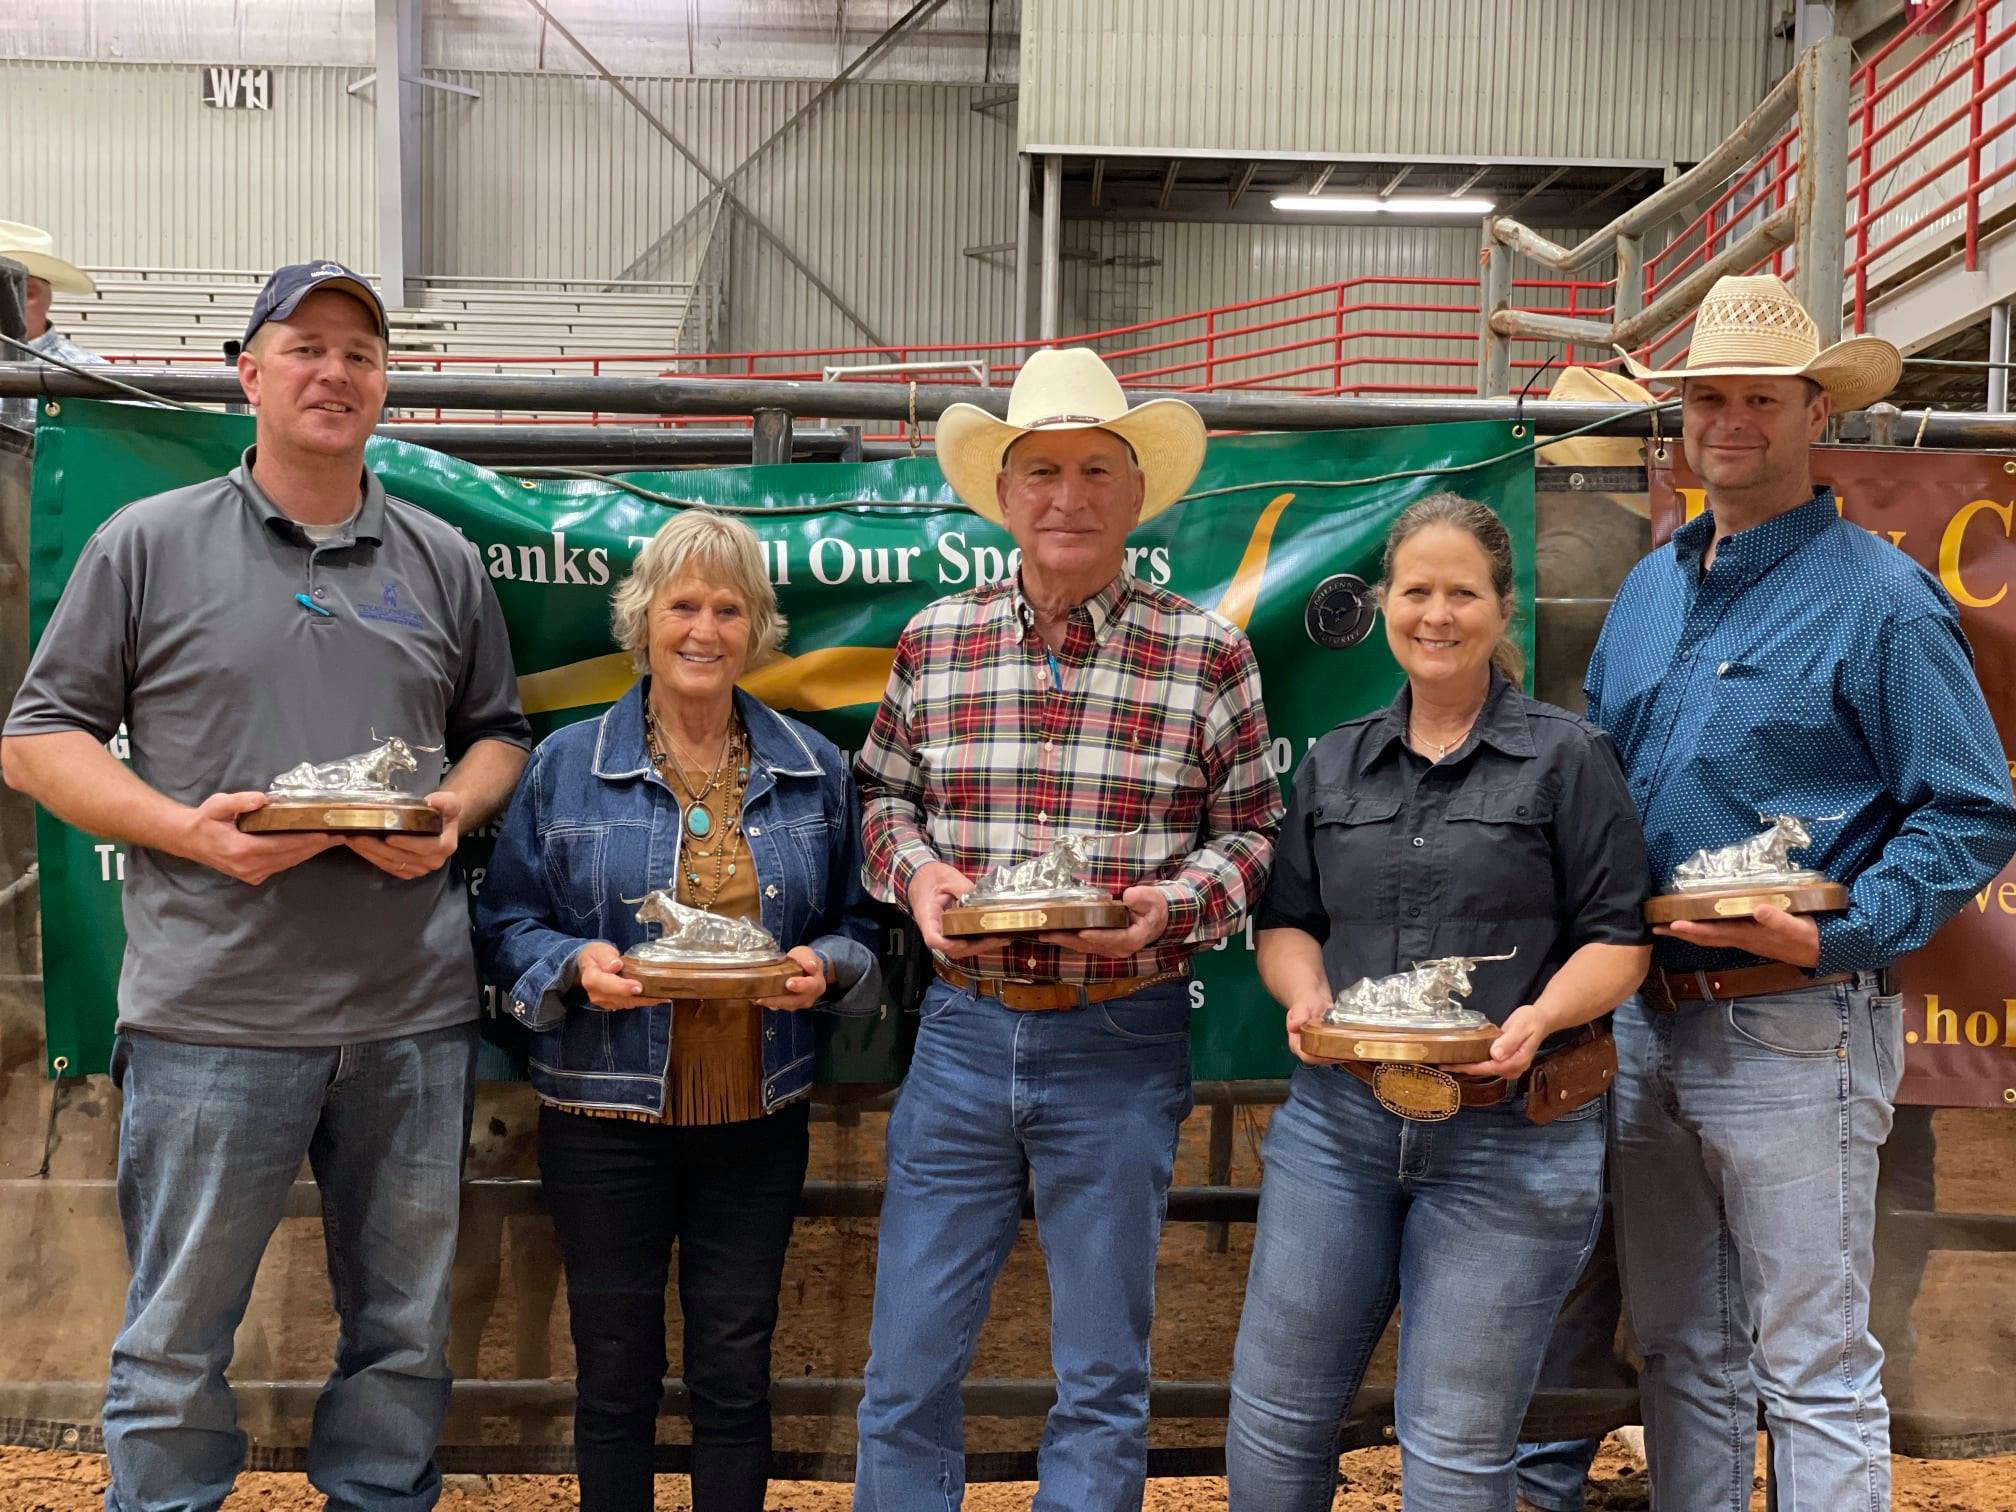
(1954, 513)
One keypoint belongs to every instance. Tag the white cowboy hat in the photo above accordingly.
(1752, 327)
(34, 249)
(1071, 389)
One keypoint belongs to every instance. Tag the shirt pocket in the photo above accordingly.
(576, 858)
(1761, 719)
(1352, 841)
(1500, 853)
(809, 841)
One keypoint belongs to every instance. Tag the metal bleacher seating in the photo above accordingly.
(186, 314)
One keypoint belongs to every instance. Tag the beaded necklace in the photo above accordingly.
(701, 822)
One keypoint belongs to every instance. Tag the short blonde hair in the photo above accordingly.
(713, 546)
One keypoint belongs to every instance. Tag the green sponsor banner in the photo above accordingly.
(855, 549)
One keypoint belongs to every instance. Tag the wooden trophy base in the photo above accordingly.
(691, 981)
(1416, 1047)
(1742, 902)
(968, 919)
(398, 816)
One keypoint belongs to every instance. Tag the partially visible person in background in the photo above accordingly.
(48, 275)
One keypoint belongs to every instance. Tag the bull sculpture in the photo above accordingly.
(694, 934)
(366, 775)
(1765, 858)
(1061, 872)
(1426, 996)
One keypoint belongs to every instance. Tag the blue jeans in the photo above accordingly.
(1087, 1102)
(1746, 1150)
(210, 1140)
(1476, 1227)
(1583, 1352)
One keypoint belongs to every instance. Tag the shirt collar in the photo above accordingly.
(621, 749)
(1501, 724)
(368, 524)
(1753, 552)
(1100, 610)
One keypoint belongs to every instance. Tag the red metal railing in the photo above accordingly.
(1922, 106)
(1354, 336)
(1927, 104)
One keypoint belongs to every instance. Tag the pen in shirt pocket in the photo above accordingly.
(310, 605)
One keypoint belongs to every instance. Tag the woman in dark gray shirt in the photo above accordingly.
(1466, 819)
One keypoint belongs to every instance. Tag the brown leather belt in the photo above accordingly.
(1489, 1091)
(1040, 997)
(1664, 990)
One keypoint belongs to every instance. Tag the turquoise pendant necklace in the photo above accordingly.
(700, 822)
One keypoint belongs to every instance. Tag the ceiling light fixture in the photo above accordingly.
(1365, 204)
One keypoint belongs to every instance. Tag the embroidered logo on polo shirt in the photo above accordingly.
(389, 611)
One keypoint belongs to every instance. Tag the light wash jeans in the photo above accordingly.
(1087, 1102)
(1583, 1352)
(1476, 1227)
(210, 1140)
(1746, 1150)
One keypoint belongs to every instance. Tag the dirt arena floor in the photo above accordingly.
(39, 1482)
(62, 1292)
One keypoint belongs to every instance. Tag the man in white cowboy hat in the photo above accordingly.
(34, 249)
(1070, 696)
(1772, 658)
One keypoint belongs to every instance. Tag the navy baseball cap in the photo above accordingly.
(290, 285)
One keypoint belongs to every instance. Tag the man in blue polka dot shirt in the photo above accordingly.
(1772, 658)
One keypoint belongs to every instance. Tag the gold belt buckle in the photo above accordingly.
(1423, 1094)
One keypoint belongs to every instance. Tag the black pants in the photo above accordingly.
(621, 1193)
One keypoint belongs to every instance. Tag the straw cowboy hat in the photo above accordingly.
(1754, 328)
(34, 249)
(1071, 389)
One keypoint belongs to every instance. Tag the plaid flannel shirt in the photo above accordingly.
(977, 759)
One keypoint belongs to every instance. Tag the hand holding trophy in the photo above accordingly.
(704, 955)
(352, 795)
(1734, 881)
(1412, 1017)
(1050, 892)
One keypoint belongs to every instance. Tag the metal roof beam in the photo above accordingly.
(1537, 188)
(1243, 183)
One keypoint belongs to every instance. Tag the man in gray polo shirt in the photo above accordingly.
(283, 996)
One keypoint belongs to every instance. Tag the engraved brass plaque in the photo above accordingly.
(1014, 918)
(1749, 903)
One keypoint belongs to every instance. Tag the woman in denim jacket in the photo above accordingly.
(688, 1122)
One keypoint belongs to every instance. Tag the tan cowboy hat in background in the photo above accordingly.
(1752, 327)
(1587, 385)
(34, 249)
(1071, 389)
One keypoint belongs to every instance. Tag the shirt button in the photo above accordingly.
(1418, 841)
(1414, 913)
(770, 891)
(321, 593)
(757, 830)
(1042, 818)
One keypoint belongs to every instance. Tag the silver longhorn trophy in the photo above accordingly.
(1764, 860)
(1423, 998)
(694, 937)
(365, 777)
(1060, 875)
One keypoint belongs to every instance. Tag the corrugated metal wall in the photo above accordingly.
(1541, 78)
(880, 191)
(128, 168)
(547, 175)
